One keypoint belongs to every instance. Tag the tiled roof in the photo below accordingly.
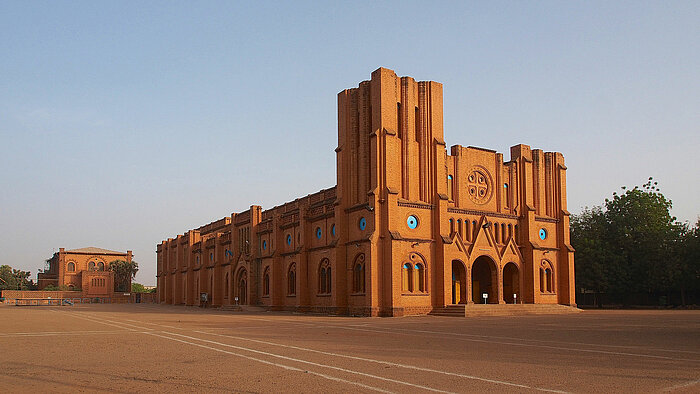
(93, 250)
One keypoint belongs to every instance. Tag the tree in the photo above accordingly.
(14, 279)
(138, 288)
(633, 245)
(597, 267)
(124, 272)
(688, 278)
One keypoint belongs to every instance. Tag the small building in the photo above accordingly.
(85, 269)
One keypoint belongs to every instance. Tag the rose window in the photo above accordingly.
(478, 187)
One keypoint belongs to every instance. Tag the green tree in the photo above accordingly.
(14, 279)
(643, 233)
(138, 288)
(633, 245)
(124, 272)
(688, 268)
(598, 268)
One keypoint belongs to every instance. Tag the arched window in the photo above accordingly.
(266, 282)
(541, 280)
(475, 230)
(413, 274)
(459, 227)
(358, 274)
(450, 188)
(91, 266)
(322, 280)
(70, 267)
(226, 285)
(452, 226)
(407, 277)
(419, 277)
(292, 279)
(100, 266)
(324, 277)
(546, 277)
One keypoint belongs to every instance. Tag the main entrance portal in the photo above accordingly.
(484, 280)
(459, 283)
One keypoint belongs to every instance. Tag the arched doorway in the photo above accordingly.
(511, 283)
(242, 287)
(484, 280)
(459, 283)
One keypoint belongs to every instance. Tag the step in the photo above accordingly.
(242, 308)
(472, 310)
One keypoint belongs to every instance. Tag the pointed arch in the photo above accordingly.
(407, 277)
(413, 274)
(266, 281)
(242, 286)
(358, 274)
(226, 286)
(292, 279)
(484, 279)
(324, 277)
(547, 284)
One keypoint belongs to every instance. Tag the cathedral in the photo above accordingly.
(410, 227)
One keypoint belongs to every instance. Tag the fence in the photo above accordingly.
(36, 298)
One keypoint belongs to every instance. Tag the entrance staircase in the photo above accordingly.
(242, 308)
(473, 310)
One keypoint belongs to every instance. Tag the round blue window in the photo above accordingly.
(412, 222)
(264, 245)
(363, 223)
(319, 233)
(543, 234)
(289, 239)
(333, 230)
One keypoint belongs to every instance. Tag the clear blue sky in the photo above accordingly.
(127, 122)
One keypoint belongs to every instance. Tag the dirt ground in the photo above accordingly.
(142, 348)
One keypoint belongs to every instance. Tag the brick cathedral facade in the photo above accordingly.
(409, 227)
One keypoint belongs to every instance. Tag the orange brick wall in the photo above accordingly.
(401, 199)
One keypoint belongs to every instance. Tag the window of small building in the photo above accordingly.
(71, 267)
(100, 266)
(91, 266)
